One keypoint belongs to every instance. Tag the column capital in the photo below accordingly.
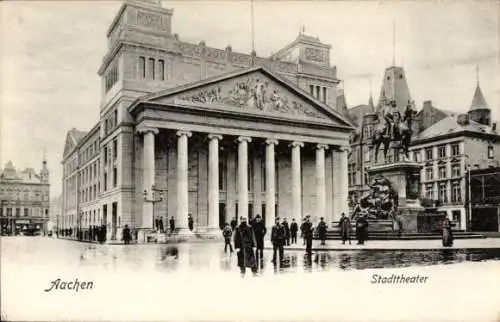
(322, 146)
(244, 138)
(297, 144)
(147, 129)
(184, 133)
(272, 141)
(213, 136)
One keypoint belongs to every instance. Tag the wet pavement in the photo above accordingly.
(201, 282)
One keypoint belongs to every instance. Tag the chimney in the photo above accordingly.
(427, 104)
(463, 119)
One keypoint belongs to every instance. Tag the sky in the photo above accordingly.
(50, 52)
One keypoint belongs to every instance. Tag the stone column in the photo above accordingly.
(243, 176)
(270, 182)
(296, 182)
(321, 182)
(343, 187)
(148, 177)
(181, 220)
(213, 182)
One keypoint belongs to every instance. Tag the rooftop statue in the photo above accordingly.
(379, 203)
(392, 126)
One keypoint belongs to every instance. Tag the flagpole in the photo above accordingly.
(252, 22)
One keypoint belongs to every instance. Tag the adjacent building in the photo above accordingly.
(190, 129)
(24, 200)
(449, 148)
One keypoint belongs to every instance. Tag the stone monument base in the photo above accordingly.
(407, 219)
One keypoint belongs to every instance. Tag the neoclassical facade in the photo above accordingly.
(166, 103)
(280, 153)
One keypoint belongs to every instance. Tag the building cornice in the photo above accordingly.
(463, 134)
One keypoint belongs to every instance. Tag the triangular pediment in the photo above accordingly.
(256, 91)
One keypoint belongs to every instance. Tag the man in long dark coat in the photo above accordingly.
(447, 236)
(293, 231)
(361, 230)
(126, 236)
(172, 224)
(278, 236)
(345, 228)
(308, 234)
(287, 232)
(190, 222)
(244, 243)
(259, 229)
(322, 230)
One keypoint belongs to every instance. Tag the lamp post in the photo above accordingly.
(156, 197)
(469, 213)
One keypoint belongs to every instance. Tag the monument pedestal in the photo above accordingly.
(404, 177)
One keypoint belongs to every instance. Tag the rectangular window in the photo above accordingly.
(318, 91)
(311, 90)
(161, 69)
(142, 67)
(151, 68)
(26, 212)
(456, 192)
(490, 152)
(105, 155)
(324, 94)
(263, 175)
(442, 172)
(105, 181)
(428, 174)
(115, 149)
(455, 170)
(442, 151)
(115, 118)
(416, 156)
(442, 193)
(455, 149)
(115, 177)
(368, 156)
(428, 154)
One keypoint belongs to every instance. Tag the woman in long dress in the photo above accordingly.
(447, 234)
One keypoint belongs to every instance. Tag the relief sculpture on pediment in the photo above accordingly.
(252, 93)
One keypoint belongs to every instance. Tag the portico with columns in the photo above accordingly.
(237, 145)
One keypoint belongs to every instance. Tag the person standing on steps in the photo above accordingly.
(447, 235)
(293, 231)
(308, 234)
(227, 232)
(345, 228)
(126, 236)
(278, 239)
(361, 230)
(322, 230)
(190, 222)
(259, 229)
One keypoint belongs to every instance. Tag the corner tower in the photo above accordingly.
(395, 88)
(479, 110)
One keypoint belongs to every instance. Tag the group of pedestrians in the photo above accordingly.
(159, 227)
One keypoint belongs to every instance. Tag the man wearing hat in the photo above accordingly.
(244, 243)
(308, 234)
(278, 239)
(259, 229)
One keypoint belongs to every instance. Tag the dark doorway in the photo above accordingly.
(484, 219)
(250, 212)
(263, 210)
(222, 215)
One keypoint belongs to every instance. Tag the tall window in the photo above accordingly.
(456, 192)
(368, 156)
(442, 193)
(428, 174)
(151, 68)
(115, 177)
(442, 151)
(105, 155)
(161, 69)
(455, 170)
(490, 152)
(222, 175)
(318, 91)
(105, 181)
(26, 212)
(311, 90)
(111, 77)
(442, 172)
(324, 94)
(455, 149)
(428, 154)
(416, 156)
(115, 149)
(142, 67)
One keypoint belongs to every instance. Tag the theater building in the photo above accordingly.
(189, 129)
(24, 200)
